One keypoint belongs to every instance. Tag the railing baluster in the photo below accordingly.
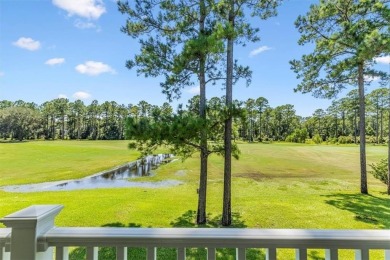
(62, 253)
(211, 253)
(92, 253)
(361, 254)
(241, 253)
(301, 254)
(181, 253)
(387, 254)
(121, 253)
(270, 253)
(4, 255)
(152, 253)
(331, 254)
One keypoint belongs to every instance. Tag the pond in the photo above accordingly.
(113, 178)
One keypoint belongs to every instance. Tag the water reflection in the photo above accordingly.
(114, 178)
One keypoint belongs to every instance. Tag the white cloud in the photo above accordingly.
(94, 68)
(369, 78)
(384, 60)
(55, 61)
(90, 9)
(259, 50)
(83, 25)
(62, 96)
(194, 90)
(81, 95)
(27, 43)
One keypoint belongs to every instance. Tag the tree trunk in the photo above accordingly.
(201, 213)
(260, 137)
(63, 127)
(53, 128)
(377, 124)
(226, 211)
(381, 127)
(362, 117)
(388, 150)
(354, 126)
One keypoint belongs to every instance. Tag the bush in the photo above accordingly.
(371, 139)
(298, 136)
(345, 139)
(309, 141)
(380, 170)
(317, 139)
(332, 140)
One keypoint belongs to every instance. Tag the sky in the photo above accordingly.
(74, 49)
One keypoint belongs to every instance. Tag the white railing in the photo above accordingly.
(34, 237)
(5, 234)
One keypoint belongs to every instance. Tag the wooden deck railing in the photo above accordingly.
(34, 236)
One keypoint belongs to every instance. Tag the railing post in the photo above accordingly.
(181, 253)
(387, 254)
(211, 253)
(241, 253)
(361, 254)
(4, 255)
(331, 254)
(301, 254)
(27, 225)
(270, 253)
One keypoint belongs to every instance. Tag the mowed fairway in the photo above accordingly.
(274, 186)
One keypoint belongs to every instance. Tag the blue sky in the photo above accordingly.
(74, 49)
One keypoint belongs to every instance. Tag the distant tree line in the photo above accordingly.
(257, 121)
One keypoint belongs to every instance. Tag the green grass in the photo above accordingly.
(274, 186)
(34, 162)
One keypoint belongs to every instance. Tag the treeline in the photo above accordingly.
(61, 119)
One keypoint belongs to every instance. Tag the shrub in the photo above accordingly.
(371, 139)
(309, 141)
(317, 139)
(332, 140)
(345, 139)
(298, 136)
(380, 171)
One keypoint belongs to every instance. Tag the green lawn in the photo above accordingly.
(274, 186)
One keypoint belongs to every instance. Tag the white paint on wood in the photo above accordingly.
(152, 253)
(121, 253)
(331, 254)
(387, 254)
(27, 224)
(270, 253)
(240, 253)
(62, 253)
(211, 253)
(181, 253)
(361, 254)
(92, 253)
(301, 254)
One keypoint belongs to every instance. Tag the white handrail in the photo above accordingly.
(218, 237)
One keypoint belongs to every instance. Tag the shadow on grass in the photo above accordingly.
(367, 208)
(12, 141)
(315, 255)
(188, 219)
